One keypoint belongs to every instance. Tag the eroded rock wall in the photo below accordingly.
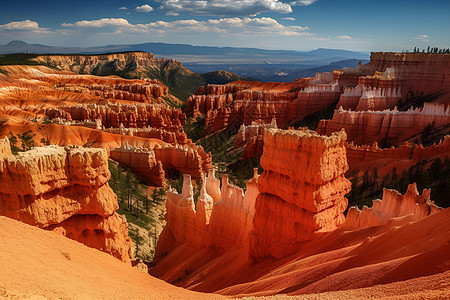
(301, 191)
(387, 127)
(415, 74)
(66, 190)
(130, 115)
(222, 219)
(142, 161)
(359, 154)
(411, 205)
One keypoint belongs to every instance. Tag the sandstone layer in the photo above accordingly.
(65, 190)
(411, 205)
(222, 218)
(143, 162)
(294, 203)
(407, 151)
(414, 74)
(250, 137)
(387, 127)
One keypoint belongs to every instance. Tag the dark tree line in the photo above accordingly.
(435, 176)
(436, 50)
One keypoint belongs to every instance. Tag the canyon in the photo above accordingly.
(299, 241)
(288, 232)
(38, 99)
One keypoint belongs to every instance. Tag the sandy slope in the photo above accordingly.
(399, 258)
(36, 263)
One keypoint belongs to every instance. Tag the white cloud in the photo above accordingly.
(23, 28)
(289, 19)
(231, 26)
(123, 8)
(422, 37)
(318, 39)
(345, 37)
(302, 2)
(144, 8)
(104, 22)
(21, 25)
(224, 7)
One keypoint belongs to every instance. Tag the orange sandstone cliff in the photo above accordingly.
(302, 190)
(387, 127)
(401, 242)
(64, 190)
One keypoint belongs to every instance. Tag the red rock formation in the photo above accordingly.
(65, 190)
(130, 115)
(388, 127)
(242, 102)
(223, 218)
(251, 138)
(186, 159)
(262, 107)
(413, 73)
(358, 98)
(171, 137)
(359, 154)
(411, 205)
(197, 104)
(296, 202)
(142, 161)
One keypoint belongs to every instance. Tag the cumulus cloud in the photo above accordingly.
(302, 2)
(21, 25)
(422, 37)
(289, 19)
(345, 37)
(144, 8)
(224, 7)
(104, 22)
(123, 8)
(231, 26)
(22, 28)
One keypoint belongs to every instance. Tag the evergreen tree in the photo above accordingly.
(26, 140)
(13, 142)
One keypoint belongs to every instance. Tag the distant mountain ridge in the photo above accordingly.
(157, 48)
(131, 65)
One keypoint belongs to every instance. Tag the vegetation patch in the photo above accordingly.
(143, 207)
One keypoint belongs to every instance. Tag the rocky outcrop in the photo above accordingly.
(414, 74)
(148, 90)
(143, 163)
(302, 190)
(130, 115)
(240, 102)
(250, 137)
(263, 107)
(387, 127)
(171, 137)
(202, 104)
(64, 190)
(222, 219)
(411, 205)
(410, 151)
(190, 159)
(362, 98)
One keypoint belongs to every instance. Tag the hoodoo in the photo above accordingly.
(64, 190)
(301, 191)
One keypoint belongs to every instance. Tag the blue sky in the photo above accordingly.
(388, 25)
